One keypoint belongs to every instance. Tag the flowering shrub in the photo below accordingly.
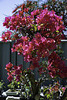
(37, 33)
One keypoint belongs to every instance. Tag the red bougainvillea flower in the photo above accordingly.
(6, 36)
(13, 71)
(18, 77)
(64, 88)
(15, 67)
(9, 66)
(18, 69)
(10, 77)
(53, 21)
(56, 66)
(30, 49)
(7, 19)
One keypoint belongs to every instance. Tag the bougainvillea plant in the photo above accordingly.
(37, 32)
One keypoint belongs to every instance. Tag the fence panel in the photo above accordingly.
(4, 59)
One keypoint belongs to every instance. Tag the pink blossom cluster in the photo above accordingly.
(18, 72)
(6, 36)
(36, 12)
(8, 68)
(17, 21)
(47, 23)
(13, 71)
(56, 66)
(35, 49)
(20, 44)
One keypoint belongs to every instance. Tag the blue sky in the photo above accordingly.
(6, 8)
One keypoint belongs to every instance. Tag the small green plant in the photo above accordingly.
(2, 85)
(14, 85)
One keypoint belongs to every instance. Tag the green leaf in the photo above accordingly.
(48, 96)
(57, 31)
(41, 98)
(41, 24)
(18, 83)
(35, 27)
(45, 89)
(31, 29)
(30, 95)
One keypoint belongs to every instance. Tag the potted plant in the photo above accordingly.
(13, 88)
(37, 32)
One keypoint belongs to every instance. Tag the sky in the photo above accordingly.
(6, 8)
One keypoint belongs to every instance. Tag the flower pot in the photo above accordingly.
(12, 93)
